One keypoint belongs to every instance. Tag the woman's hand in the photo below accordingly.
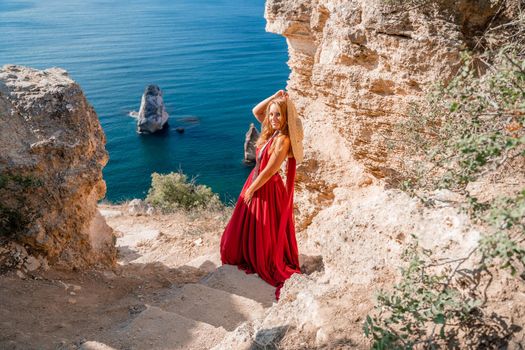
(281, 93)
(259, 110)
(248, 194)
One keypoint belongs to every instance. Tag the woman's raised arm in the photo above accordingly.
(260, 108)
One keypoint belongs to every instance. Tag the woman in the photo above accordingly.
(260, 236)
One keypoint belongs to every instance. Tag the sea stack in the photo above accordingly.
(249, 144)
(152, 114)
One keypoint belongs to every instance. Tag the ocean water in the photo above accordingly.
(212, 59)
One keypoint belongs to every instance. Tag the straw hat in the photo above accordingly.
(295, 129)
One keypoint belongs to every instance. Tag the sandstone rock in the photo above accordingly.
(239, 339)
(31, 263)
(249, 144)
(51, 166)
(43, 263)
(152, 114)
(109, 275)
(365, 181)
(107, 213)
(355, 67)
(101, 236)
(310, 264)
(95, 345)
(150, 210)
(136, 207)
(140, 207)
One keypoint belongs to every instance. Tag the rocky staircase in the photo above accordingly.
(194, 315)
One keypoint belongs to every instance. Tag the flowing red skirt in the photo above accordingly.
(260, 237)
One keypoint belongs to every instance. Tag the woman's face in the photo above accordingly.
(275, 117)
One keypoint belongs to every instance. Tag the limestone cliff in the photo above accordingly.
(51, 168)
(355, 66)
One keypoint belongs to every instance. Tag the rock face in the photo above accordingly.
(249, 144)
(355, 67)
(51, 168)
(152, 114)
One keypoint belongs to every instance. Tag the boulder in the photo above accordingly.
(139, 207)
(249, 144)
(53, 152)
(152, 114)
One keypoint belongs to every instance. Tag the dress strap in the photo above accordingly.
(267, 142)
(259, 155)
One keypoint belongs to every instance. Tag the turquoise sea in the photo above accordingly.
(212, 59)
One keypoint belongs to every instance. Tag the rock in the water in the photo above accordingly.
(51, 168)
(152, 114)
(249, 144)
(180, 130)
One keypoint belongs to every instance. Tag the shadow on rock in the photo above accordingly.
(311, 263)
(269, 339)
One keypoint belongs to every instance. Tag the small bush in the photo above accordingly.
(172, 191)
(471, 130)
(424, 309)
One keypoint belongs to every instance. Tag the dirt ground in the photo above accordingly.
(58, 309)
(61, 309)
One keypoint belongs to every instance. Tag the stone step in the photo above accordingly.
(232, 280)
(208, 262)
(213, 306)
(95, 345)
(155, 328)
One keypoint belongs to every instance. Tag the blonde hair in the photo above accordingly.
(266, 129)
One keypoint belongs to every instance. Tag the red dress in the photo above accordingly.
(260, 237)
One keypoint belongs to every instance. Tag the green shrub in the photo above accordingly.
(470, 128)
(174, 191)
(503, 246)
(470, 131)
(407, 5)
(424, 308)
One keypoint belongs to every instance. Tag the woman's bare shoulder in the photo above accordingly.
(283, 139)
(282, 143)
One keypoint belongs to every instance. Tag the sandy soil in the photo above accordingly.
(168, 291)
